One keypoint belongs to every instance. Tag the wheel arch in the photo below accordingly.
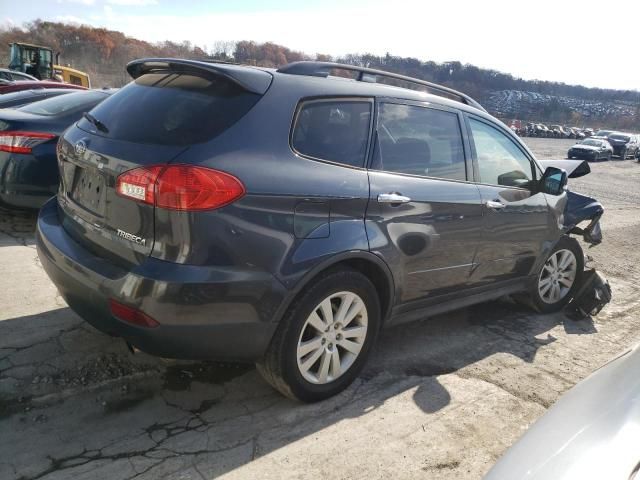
(367, 263)
(548, 248)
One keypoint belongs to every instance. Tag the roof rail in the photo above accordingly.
(323, 69)
(251, 79)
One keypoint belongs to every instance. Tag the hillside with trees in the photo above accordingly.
(103, 54)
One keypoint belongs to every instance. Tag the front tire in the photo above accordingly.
(324, 338)
(559, 276)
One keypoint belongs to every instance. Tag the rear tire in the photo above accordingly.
(324, 338)
(559, 277)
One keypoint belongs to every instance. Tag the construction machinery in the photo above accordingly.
(38, 61)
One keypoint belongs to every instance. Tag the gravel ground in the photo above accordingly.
(442, 398)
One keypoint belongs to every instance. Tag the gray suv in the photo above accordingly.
(216, 211)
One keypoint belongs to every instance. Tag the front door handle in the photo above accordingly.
(494, 205)
(396, 198)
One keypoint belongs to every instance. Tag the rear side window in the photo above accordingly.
(334, 130)
(419, 141)
(172, 108)
(65, 104)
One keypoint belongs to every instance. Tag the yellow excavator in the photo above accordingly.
(37, 61)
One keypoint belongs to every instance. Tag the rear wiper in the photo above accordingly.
(99, 125)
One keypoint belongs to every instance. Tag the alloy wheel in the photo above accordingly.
(332, 337)
(557, 276)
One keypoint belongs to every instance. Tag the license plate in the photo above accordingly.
(89, 190)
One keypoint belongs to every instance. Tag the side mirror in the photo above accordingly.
(553, 181)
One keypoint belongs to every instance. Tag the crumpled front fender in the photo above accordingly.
(580, 208)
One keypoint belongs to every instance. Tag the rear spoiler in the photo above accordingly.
(251, 79)
(574, 168)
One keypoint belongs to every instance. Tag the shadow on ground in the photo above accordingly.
(18, 224)
(93, 409)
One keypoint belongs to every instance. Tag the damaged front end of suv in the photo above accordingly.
(579, 208)
(581, 217)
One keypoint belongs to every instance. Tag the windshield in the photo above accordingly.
(65, 103)
(603, 133)
(593, 143)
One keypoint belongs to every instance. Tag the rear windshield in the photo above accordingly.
(64, 104)
(172, 108)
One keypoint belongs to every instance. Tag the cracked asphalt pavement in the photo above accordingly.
(442, 398)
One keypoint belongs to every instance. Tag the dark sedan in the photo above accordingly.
(28, 138)
(591, 149)
(24, 97)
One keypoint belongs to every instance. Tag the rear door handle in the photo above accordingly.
(494, 205)
(393, 198)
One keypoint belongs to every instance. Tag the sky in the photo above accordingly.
(592, 43)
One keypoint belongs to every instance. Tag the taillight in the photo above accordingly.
(139, 183)
(22, 142)
(180, 187)
(131, 315)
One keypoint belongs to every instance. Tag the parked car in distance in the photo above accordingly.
(593, 149)
(544, 131)
(588, 132)
(591, 432)
(559, 131)
(28, 165)
(23, 97)
(7, 75)
(603, 133)
(216, 211)
(577, 133)
(8, 87)
(624, 145)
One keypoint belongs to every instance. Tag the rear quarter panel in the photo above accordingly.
(296, 211)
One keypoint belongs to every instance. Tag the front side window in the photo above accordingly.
(500, 161)
(333, 130)
(419, 141)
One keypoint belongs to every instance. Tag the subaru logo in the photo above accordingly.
(80, 148)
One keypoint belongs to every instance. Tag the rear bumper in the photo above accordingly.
(217, 313)
(27, 181)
